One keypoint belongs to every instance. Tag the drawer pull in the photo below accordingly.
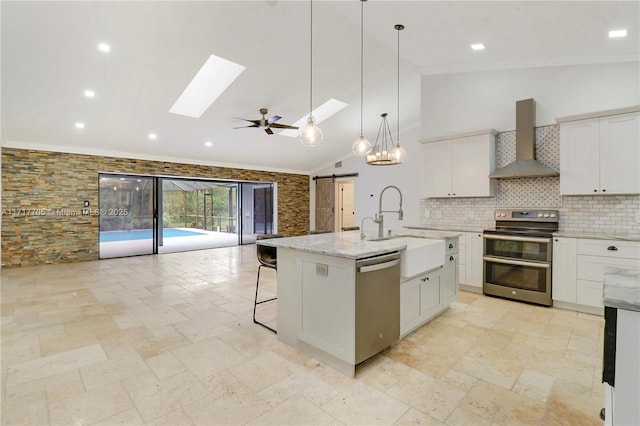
(612, 248)
(450, 245)
(451, 258)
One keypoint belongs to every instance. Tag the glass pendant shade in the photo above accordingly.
(398, 154)
(311, 134)
(361, 146)
(384, 151)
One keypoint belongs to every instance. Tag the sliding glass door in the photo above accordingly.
(126, 215)
(190, 214)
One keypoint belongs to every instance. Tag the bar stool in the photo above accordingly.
(350, 228)
(268, 257)
(319, 231)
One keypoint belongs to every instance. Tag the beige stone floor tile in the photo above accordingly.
(165, 365)
(319, 392)
(461, 417)
(209, 356)
(140, 380)
(27, 410)
(262, 371)
(501, 406)
(127, 364)
(295, 384)
(229, 409)
(534, 385)
(567, 410)
(365, 405)
(563, 368)
(295, 411)
(416, 417)
(19, 349)
(127, 417)
(54, 364)
(460, 380)
(427, 394)
(384, 374)
(174, 418)
(168, 394)
(161, 340)
(57, 343)
(90, 407)
(56, 387)
(585, 344)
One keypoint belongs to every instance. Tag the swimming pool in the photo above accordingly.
(144, 234)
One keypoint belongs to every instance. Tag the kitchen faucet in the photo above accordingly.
(380, 218)
(362, 226)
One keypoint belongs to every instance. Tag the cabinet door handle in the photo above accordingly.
(450, 245)
(425, 279)
(595, 190)
(604, 190)
(612, 248)
(451, 258)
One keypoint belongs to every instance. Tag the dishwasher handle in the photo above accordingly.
(378, 266)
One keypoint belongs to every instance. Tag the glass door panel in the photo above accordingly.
(126, 215)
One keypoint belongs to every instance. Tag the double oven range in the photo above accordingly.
(517, 255)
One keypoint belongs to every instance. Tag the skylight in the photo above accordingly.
(209, 83)
(324, 111)
(617, 33)
(477, 46)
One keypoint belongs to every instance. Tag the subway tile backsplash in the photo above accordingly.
(607, 214)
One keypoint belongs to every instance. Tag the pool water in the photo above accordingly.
(144, 234)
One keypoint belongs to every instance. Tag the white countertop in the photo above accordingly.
(622, 288)
(349, 245)
(595, 236)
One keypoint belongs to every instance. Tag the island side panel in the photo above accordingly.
(289, 279)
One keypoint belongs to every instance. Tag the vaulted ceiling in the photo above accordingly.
(49, 57)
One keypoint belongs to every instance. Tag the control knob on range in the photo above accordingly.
(546, 215)
(539, 214)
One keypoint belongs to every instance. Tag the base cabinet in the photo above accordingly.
(579, 265)
(426, 295)
(419, 300)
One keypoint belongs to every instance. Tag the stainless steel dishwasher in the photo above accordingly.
(377, 304)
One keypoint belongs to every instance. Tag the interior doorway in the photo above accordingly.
(346, 211)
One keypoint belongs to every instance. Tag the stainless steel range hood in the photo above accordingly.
(526, 164)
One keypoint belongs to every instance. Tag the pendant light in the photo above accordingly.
(385, 152)
(311, 134)
(399, 153)
(361, 146)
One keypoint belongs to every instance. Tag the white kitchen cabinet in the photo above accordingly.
(470, 267)
(565, 252)
(579, 265)
(600, 155)
(426, 295)
(459, 166)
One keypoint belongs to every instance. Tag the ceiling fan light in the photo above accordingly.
(361, 146)
(398, 153)
(311, 134)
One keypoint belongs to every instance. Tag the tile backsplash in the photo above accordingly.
(610, 214)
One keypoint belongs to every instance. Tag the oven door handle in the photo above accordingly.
(516, 238)
(516, 262)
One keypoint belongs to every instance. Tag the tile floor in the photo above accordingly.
(168, 340)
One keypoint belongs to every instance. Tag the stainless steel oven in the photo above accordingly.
(517, 255)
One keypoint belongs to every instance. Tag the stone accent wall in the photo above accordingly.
(43, 193)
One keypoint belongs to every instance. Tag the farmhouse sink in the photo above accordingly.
(421, 255)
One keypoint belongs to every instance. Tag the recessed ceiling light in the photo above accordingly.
(104, 47)
(153, 136)
(208, 144)
(617, 33)
(79, 125)
(89, 93)
(209, 83)
(477, 46)
(324, 111)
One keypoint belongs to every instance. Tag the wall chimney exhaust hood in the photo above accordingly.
(525, 165)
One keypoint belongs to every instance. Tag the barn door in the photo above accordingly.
(325, 204)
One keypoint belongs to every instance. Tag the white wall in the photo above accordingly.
(371, 181)
(454, 103)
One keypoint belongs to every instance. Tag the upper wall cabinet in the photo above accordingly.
(459, 166)
(600, 153)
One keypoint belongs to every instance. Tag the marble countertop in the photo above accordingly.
(596, 236)
(622, 288)
(450, 228)
(349, 245)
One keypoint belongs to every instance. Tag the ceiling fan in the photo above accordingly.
(267, 123)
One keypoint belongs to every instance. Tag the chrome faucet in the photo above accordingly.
(380, 218)
(362, 226)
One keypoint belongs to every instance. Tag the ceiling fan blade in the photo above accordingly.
(269, 131)
(283, 126)
(246, 119)
(244, 127)
(273, 119)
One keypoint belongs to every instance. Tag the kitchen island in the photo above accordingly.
(341, 299)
